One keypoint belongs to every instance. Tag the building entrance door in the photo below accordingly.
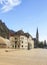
(15, 44)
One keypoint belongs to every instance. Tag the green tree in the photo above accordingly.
(41, 45)
(45, 43)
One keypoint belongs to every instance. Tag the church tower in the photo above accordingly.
(37, 38)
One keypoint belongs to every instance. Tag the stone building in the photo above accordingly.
(21, 40)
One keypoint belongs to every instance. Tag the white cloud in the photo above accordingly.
(9, 4)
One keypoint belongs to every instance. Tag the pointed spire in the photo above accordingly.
(37, 35)
(37, 38)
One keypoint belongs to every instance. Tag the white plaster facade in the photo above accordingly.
(22, 42)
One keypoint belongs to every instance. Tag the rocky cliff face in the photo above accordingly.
(4, 30)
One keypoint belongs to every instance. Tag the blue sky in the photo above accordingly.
(26, 15)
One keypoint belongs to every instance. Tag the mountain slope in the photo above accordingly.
(4, 30)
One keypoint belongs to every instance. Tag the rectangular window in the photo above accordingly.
(22, 41)
(15, 42)
(15, 38)
(22, 45)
